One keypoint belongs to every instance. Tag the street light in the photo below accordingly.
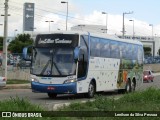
(152, 29)
(152, 38)
(49, 24)
(1, 24)
(123, 29)
(133, 27)
(15, 32)
(67, 13)
(106, 20)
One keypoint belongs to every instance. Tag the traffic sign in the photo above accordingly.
(28, 17)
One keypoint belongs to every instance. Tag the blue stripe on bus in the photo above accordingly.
(70, 88)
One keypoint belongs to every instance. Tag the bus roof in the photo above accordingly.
(100, 35)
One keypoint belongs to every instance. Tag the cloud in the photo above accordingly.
(56, 12)
(115, 23)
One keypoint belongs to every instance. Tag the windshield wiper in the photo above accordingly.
(52, 63)
(57, 68)
(45, 67)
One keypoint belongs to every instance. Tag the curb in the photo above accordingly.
(60, 105)
(18, 86)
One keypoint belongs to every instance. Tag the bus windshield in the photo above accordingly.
(53, 55)
(53, 62)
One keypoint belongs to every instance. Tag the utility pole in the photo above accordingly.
(133, 27)
(67, 13)
(106, 20)
(4, 62)
(123, 27)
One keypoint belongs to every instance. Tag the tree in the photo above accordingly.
(21, 41)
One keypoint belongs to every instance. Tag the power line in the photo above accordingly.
(37, 17)
(60, 13)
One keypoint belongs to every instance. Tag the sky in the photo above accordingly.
(145, 12)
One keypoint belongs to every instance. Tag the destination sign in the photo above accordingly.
(50, 40)
(57, 41)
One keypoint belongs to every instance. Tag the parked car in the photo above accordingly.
(2, 82)
(24, 64)
(148, 76)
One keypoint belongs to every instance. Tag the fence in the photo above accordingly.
(152, 60)
(14, 72)
(17, 68)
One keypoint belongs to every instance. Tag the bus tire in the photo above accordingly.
(128, 88)
(52, 95)
(91, 90)
(133, 85)
(121, 91)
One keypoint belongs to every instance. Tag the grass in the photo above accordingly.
(17, 81)
(22, 106)
(148, 100)
(142, 101)
(18, 104)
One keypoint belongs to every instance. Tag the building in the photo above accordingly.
(148, 41)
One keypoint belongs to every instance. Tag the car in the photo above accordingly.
(2, 82)
(24, 64)
(148, 76)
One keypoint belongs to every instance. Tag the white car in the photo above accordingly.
(2, 81)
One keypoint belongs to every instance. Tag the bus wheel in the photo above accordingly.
(133, 86)
(52, 95)
(91, 90)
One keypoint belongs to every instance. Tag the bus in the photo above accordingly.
(71, 62)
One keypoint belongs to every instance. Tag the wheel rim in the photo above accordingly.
(128, 88)
(133, 86)
(91, 90)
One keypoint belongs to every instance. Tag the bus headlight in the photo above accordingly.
(34, 80)
(69, 81)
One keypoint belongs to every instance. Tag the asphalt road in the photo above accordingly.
(50, 104)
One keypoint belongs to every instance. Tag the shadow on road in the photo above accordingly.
(65, 97)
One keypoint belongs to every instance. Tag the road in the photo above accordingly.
(43, 100)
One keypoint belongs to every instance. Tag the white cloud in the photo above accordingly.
(114, 24)
(56, 11)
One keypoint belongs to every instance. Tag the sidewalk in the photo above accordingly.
(156, 74)
(18, 86)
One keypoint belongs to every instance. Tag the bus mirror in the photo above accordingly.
(26, 55)
(76, 53)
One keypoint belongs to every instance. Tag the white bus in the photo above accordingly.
(70, 62)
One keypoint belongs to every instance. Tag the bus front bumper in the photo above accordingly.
(69, 88)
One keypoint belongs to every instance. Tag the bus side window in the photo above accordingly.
(95, 46)
(114, 49)
(140, 55)
(105, 49)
